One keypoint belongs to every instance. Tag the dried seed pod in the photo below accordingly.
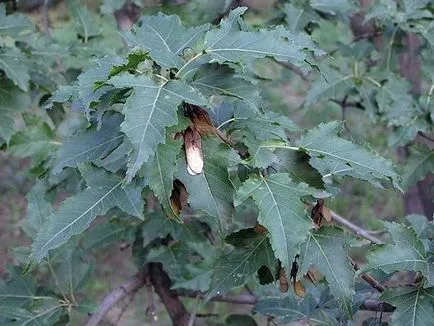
(320, 212)
(193, 151)
(201, 121)
(283, 281)
(260, 228)
(179, 197)
(299, 289)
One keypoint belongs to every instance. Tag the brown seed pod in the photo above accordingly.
(179, 197)
(193, 151)
(260, 228)
(320, 212)
(201, 121)
(283, 281)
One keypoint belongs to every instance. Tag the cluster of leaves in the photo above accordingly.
(258, 166)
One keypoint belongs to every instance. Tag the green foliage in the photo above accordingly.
(104, 121)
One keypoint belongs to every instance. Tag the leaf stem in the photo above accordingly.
(188, 62)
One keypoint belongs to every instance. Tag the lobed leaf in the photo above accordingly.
(281, 212)
(76, 213)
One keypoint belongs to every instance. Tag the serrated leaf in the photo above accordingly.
(332, 155)
(229, 43)
(38, 209)
(160, 173)
(148, 111)
(85, 22)
(281, 212)
(76, 213)
(214, 79)
(98, 74)
(252, 250)
(166, 39)
(419, 164)
(258, 157)
(117, 159)
(11, 62)
(414, 305)
(325, 250)
(406, 253)
(91, 144)
(211, 191)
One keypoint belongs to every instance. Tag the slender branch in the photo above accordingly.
(357, 230)
(375, 305)
(244, 298)
(369, 279)
(110, 300)
(45, 19)
(293, 69)
(174, 306)
(422, 134)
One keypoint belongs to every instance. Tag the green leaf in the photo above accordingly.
(229, 43)
(18, 291)
(166, 39)
(332, 155)
(288, 308)
(336, 6)
(406, 253)
(12, 101)
(240, 320)
(91, 144)
(37, 140)
(38, 209)
(211, 191)
(252, 250)
(419, 164)
(414, 305)
(13, 65)
(215, 79)
(330, 84)
(13, 25)
(88, 80)
(298, 18)
(76, 213)
(281, 212)
(325, 250)
(117, 159)
(105, 234)
(148, 111)
(161, 169)
(72, 269)
(86, 23)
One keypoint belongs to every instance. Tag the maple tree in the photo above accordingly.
(171, 140)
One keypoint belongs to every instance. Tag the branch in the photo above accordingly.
(293, 69)
(45, 19)
(127, 288)
(375, 305)
(357, 230)
(369, 279)
(244, 298)
(174, 306)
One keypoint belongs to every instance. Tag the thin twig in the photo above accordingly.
(292, 68)
(45, 19)
(422, 134)
(111, 299)
(354, 228)
(150, 310)
(369, 279)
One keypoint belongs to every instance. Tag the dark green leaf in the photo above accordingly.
(281, 212)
